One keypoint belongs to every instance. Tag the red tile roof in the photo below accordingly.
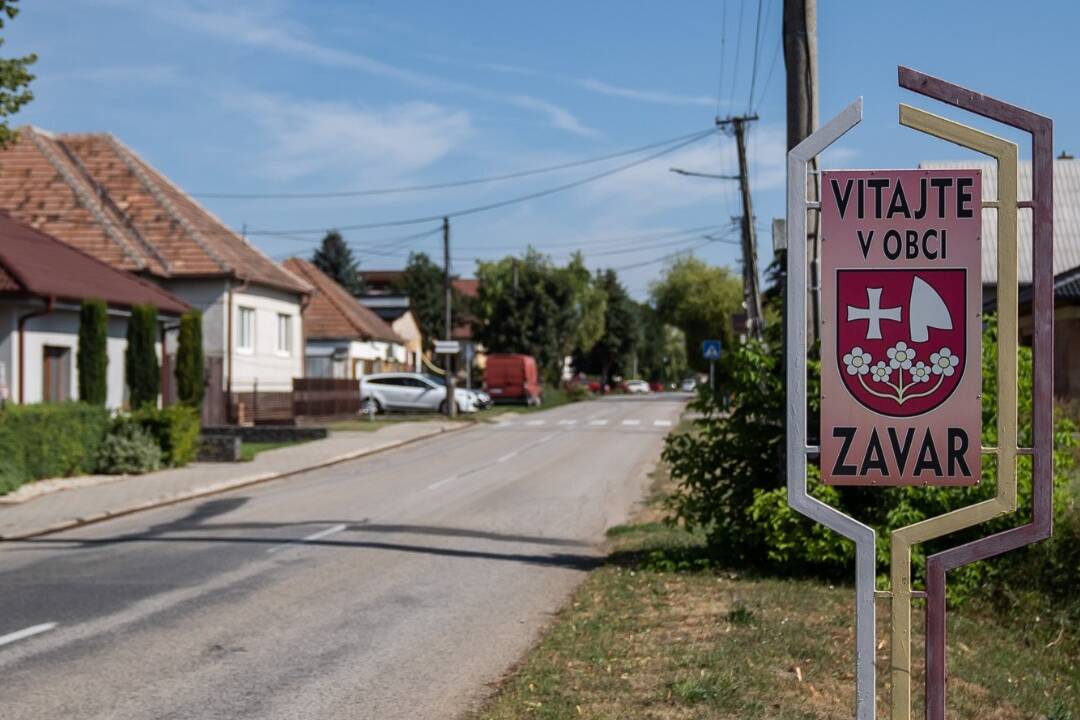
(98, 195)
(333, 312)
(33, 263)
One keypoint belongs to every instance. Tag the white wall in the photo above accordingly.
(60, 328)
(355, 350)
(210, 297)
(273, 369)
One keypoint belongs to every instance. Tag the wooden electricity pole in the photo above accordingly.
(800, 61)
(755, 318)
(451, 394)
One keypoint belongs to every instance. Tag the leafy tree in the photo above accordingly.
(700, 300)
(93, 358)
(336, 260)
(15, 79)
(140, 359)
(613, 352)
(662, 351)
(422, 281)
(529, 305)
(190, 367)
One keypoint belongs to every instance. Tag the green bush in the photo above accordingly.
(93, 356)
(732, 486)
(142, 373)
(189, 360)
(175, 429)
(128, 449)
(577, 392)
(49, 440)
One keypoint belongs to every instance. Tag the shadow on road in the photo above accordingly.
(195, 529)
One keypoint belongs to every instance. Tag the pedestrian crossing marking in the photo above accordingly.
(631, 422)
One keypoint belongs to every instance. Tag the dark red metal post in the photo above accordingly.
(1042, 195)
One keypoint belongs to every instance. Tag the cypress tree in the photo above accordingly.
(189, 360)
(93, 357)
(140, 359)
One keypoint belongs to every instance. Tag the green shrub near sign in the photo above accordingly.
(732, 486)
(175, 429)
(49, 440)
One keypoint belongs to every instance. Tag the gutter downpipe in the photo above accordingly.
(50, 302)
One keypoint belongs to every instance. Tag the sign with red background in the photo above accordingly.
(901, 331)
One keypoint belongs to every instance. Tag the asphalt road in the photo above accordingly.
(395, 586)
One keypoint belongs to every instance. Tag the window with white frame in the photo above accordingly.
(245, 329)
(284, 334)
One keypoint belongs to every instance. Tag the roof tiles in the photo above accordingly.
(333, 313)
(101, 197)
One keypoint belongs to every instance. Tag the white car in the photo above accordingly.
(384, 392)
(637, 387)
(689, 385)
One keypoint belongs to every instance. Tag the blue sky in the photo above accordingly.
(300, 96)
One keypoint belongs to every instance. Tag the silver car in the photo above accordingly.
(415, 392)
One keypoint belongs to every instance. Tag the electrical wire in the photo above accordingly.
(662, 258)
(757, 52)
(442, 185)
(772, 67)
(738, 51)
(723, 42)
(655, 235)
(495, 205)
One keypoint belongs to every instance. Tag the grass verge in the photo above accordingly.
(659, 633)
(249, 450)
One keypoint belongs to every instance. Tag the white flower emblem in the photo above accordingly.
(880, 372)
(943, 362)
(900, 356)
(920, 373)
(857, 361)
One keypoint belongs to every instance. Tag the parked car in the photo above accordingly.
(385, 392)
(636, 387)
(657, 387)
(689, 385)
(481, 399)
(512, 378)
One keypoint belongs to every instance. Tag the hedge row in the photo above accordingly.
(41, 441)
(58, 440)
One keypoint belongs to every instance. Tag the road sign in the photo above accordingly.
(901, 332)
(711, 349)
(447, 347)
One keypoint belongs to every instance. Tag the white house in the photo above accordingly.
(343, 338)
(42, 284)
(99, 196)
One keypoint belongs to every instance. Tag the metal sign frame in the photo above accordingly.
(1005, 500)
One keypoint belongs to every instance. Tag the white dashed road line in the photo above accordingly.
(568, 422)
(662, 423)
(631, 422)
(535, 423)
(326, 532)
(439, 484)
(26, 632)
(507, 456)
(598, 422)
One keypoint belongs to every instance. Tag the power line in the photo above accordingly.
(723, 42)
(654, 235)
(662, 258)
(757, 51)
(772, 67)
(495, 205)
(738, 51)
(442, 185)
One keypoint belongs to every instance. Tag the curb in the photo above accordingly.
(217, 488)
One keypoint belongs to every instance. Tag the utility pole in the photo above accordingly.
(451, 399)
(800, 61)
(751, 287)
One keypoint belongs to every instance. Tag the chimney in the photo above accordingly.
(1065, 156)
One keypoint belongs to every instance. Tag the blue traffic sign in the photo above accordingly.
(711, 349)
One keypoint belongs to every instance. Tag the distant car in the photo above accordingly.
(636, 387)
(656, 386)
(396, 392)
(689, 385)
(512, 378)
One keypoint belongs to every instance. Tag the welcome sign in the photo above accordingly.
(901, 327)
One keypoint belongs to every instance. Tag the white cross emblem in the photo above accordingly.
(874, 313)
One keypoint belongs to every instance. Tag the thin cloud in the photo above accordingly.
(257, 29)
(305, 138)
(660, 98)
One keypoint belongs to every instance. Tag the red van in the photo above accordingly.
(512, 378)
